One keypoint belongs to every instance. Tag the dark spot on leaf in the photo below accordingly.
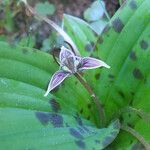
(117, 25)
(76, 82)
(129, 115)
(131, 102)
(106, 29)
(56, 120)
(89, 46)
(81, 130)
(80, 144)
(89, 106)
(121, 94)
(144, 44)
(131, 141)
(42, 117)
(111, 76)
(97, 141)
(133, 5)
(111, 81)
(75, 133)
(97, 76)
(54, 105)
(81, 110)
(130, 125)
(132, 93)
(25, 51)
(121, 119)
(100, 40)
(107, 140)
(145, 80)
(103, 105)
(133, 55)
(137, 74)
(78, 119)
(86, 129)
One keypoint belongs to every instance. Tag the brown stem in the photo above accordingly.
(137, 136)
(95, 99)
(55, 59)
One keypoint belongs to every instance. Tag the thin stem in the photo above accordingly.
(70, 47)
(95, 99)
(137, 136)
(55, 59)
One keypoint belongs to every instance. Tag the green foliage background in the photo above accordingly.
(67, 118)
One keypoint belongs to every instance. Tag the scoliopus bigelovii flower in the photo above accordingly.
(71, 64)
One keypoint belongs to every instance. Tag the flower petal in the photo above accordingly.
(65, 53)
(92, 63)
(56, 79)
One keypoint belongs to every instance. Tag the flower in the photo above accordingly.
(71, 64)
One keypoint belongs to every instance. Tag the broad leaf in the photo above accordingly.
(28, 120)
(125, 46)
(26, 129)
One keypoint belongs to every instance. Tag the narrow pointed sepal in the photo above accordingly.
(65, 53)
(92, 63)
(56, 79)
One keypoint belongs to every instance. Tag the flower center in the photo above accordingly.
(70, 64)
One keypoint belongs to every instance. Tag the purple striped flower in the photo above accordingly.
(71, 64)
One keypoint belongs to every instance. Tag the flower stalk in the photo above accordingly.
(94, 98)
(137, 136)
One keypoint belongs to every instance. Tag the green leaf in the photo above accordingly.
(45, 8)
(95, 11)
(28, 41)
(125, 46)
(26, 129)
(28, 120)
(81, 33)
